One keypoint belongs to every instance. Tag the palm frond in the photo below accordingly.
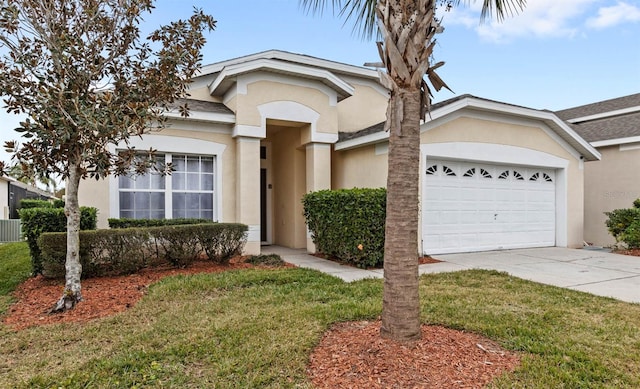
(496, 8)
(361, 12)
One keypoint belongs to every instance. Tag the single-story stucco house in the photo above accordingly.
(613, 128)
(267, 128)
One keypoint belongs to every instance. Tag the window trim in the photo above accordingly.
(164, 144)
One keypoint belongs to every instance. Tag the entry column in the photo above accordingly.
(318, 172)
(248, 189)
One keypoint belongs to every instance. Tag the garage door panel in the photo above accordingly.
(487, 207)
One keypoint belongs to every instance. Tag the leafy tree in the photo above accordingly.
(85, 79)
(407, 29)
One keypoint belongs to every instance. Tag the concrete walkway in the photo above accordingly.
(596, 272)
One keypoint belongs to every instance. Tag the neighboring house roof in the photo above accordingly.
(28, 187)
(609, 122)
(376, 133)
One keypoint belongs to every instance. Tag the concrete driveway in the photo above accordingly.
(597, 272)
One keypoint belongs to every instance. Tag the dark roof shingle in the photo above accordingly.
(625, 125)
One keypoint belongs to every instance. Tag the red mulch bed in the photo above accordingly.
(102, 296)
(634, 252)
(350, 355)
(353, 355)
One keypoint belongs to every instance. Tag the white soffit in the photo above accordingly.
(226, 78)
(604, 115)
(617, 141)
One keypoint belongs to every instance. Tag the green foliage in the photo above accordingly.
(631, 236)
(348, 224)
(266, 259)
(128, 223)
(619, 220)
(36, 221)
(14, 268)
(70, 48)
(35, 203)
(57, 203)
(220, 242)
(127, 250)
(179, 244)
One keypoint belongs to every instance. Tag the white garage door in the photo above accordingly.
(474, 207)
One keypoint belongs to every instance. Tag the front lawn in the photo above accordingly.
(15, 267)
(256, 328)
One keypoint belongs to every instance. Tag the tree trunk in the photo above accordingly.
(72, 289)
(401, 302)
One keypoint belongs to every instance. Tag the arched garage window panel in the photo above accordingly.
(448, 172)
(431, 170)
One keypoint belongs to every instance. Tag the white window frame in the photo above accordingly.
(169, 145)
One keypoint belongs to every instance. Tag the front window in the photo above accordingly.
(188, 192)
(192, 186)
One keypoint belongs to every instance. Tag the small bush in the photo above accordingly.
(131, 223)
(127, 250)
(624, 224)
(36, 221)
(57, 203)
(620, 219)
(266, 259)
(348, 224)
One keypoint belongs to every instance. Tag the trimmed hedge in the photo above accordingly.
(35, 203)
(36, 221)
(348, 224)
(132, 223)
(127, 250)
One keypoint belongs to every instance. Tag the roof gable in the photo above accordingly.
(376, 133)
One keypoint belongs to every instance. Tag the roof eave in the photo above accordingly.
(226, 78)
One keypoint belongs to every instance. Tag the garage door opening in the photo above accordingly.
(469, 206)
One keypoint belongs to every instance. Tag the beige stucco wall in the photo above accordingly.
(611, 183)
(262, 92)
(367, 107)
(359, 168)
(289, 185)
(362, 167)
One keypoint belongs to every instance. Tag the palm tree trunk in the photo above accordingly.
(401, 302)
(72, 291)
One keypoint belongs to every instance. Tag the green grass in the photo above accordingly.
(15, 267)
(256, 328)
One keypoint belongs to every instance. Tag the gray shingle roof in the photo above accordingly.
(342, 136)
(613, 127)
(203, 106)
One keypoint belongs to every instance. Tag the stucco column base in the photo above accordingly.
(248, 190)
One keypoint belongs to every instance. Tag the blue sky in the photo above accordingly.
(555, 54)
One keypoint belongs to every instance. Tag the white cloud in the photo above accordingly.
(614, 15)
(540, 18)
